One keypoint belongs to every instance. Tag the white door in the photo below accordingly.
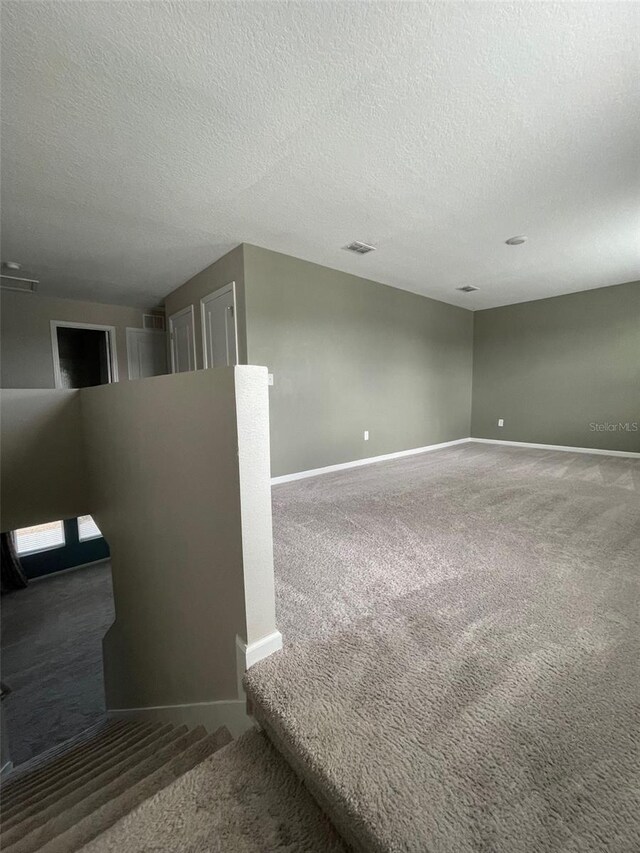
(219, 330)
(146, 353)
(183, 341)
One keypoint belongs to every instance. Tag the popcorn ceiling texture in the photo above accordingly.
(461, 662)
(141, 141)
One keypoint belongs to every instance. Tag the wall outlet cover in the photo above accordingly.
(500, 422)
(366, 435)
(270, 378)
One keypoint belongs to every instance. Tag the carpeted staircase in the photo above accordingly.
(134, 787)
(243, 799)
(83, 790)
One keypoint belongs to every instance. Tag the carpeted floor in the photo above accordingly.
(52, 658)
(461, 669)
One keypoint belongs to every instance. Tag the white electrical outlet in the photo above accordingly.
(500, 422)
(366, 435)
(270, 378)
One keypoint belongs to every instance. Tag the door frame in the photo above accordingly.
(188, 310)
(228, 288)
(66, 324)
(134, 329)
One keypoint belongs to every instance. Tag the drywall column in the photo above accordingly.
(179, 470)
(260, 638)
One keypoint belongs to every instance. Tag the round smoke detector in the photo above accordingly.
(516, 241)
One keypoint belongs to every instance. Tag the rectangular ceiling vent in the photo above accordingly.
(360, 248)
(24, 285)
(153, 321)
(468, 288)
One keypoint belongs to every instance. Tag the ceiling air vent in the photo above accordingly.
(24, 285)
(467, 288)
(359, 248)
(153, 321)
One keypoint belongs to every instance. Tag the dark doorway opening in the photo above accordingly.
(84, 356)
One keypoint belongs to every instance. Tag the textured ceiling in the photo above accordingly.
(141, 141)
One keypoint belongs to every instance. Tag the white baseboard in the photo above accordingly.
(254, 652)
(314, 472)
(370, 460)
(247, 655)
(231, 713)
(565, 447)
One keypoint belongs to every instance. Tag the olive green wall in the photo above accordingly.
(554, 367)
(349, 355)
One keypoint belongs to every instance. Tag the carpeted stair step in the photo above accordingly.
(343, 814)
(243, 798)
(19, 781)
(40, 797)
(91, 813)
(101, 819)
(63, 818)
(50, 775)
(86, 783)
(34, 766)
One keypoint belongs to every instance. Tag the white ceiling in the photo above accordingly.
(141, 141)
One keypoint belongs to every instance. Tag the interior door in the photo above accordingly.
(182, 339)
(219, 328)
(146, 353)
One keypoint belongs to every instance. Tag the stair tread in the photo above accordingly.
(245, 797)
(33, 765)
(57, 772)
(113, 810)
(22, 776)
(91, 780)
(66, 764)
(65, 820)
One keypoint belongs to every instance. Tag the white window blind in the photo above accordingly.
(40, 537)
(87, 528)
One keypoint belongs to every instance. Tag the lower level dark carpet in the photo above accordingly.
(52, 658)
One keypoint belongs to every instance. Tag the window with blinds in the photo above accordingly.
(87, 528)
(39, 537)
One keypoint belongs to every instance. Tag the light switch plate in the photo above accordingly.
(270, 378)
(500, 422)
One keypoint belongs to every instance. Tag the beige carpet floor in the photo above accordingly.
(461, 669)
